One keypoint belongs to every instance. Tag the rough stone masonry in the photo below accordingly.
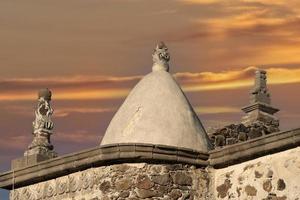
(123, 181)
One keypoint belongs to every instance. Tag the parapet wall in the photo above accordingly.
(275, 177)
(263, 168)
(122, 181)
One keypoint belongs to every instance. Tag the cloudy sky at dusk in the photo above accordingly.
(91, 53)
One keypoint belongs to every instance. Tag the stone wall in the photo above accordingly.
(122, 181)
(271, 173)
(274, 177)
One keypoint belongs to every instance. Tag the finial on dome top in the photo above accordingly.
(161, 57)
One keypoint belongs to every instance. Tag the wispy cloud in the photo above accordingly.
(71, 87)
(262, 26)
(234, 79)
(62, 112)
(68, 95)
(280, 2)
(67, 83)
(89, 88)
(199, 1)
(216, 109)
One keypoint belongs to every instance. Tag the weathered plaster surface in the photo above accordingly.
(157, 112)
(275, 176)
(122, 181)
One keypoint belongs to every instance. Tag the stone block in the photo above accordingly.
(158, 156)
(144, 155)
(192, 161)
(127, 147)
(162, 149)
(186, 153)
(182, 178)
(143, 147)
(29, 160)
(127, 154)
(109, 149)
(161, 179)
(148, 193)
(144, 182)
(110, 156)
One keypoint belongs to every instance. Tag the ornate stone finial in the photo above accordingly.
(42, 127)
(260, 92)
(258, 121)
(260, 109)
(161, 58)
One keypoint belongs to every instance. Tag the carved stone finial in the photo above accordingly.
(260, 92)
(260, 109)
(42, 127)
(161, 58)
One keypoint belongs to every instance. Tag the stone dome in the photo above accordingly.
(157, 112)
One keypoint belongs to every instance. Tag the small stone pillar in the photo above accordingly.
(260, 111)
(40, 148)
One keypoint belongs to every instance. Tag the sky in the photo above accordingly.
(91, 53)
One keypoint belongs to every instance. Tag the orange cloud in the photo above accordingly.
(199, 1)
(216, 109)
(69, 95)
(282, 75)
(62, 112)
(280, 2)
(73, 79)
(68, 88)
(190, 82)
(216, 77)
(235, 79)
(93, 94)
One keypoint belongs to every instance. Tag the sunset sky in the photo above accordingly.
(91, 53)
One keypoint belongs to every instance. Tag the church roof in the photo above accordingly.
(157, 112)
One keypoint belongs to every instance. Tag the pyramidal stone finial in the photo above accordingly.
(260, 93)
(260, 109)
(161, 58)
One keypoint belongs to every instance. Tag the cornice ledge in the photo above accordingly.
(100, 156)
(251, 149)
